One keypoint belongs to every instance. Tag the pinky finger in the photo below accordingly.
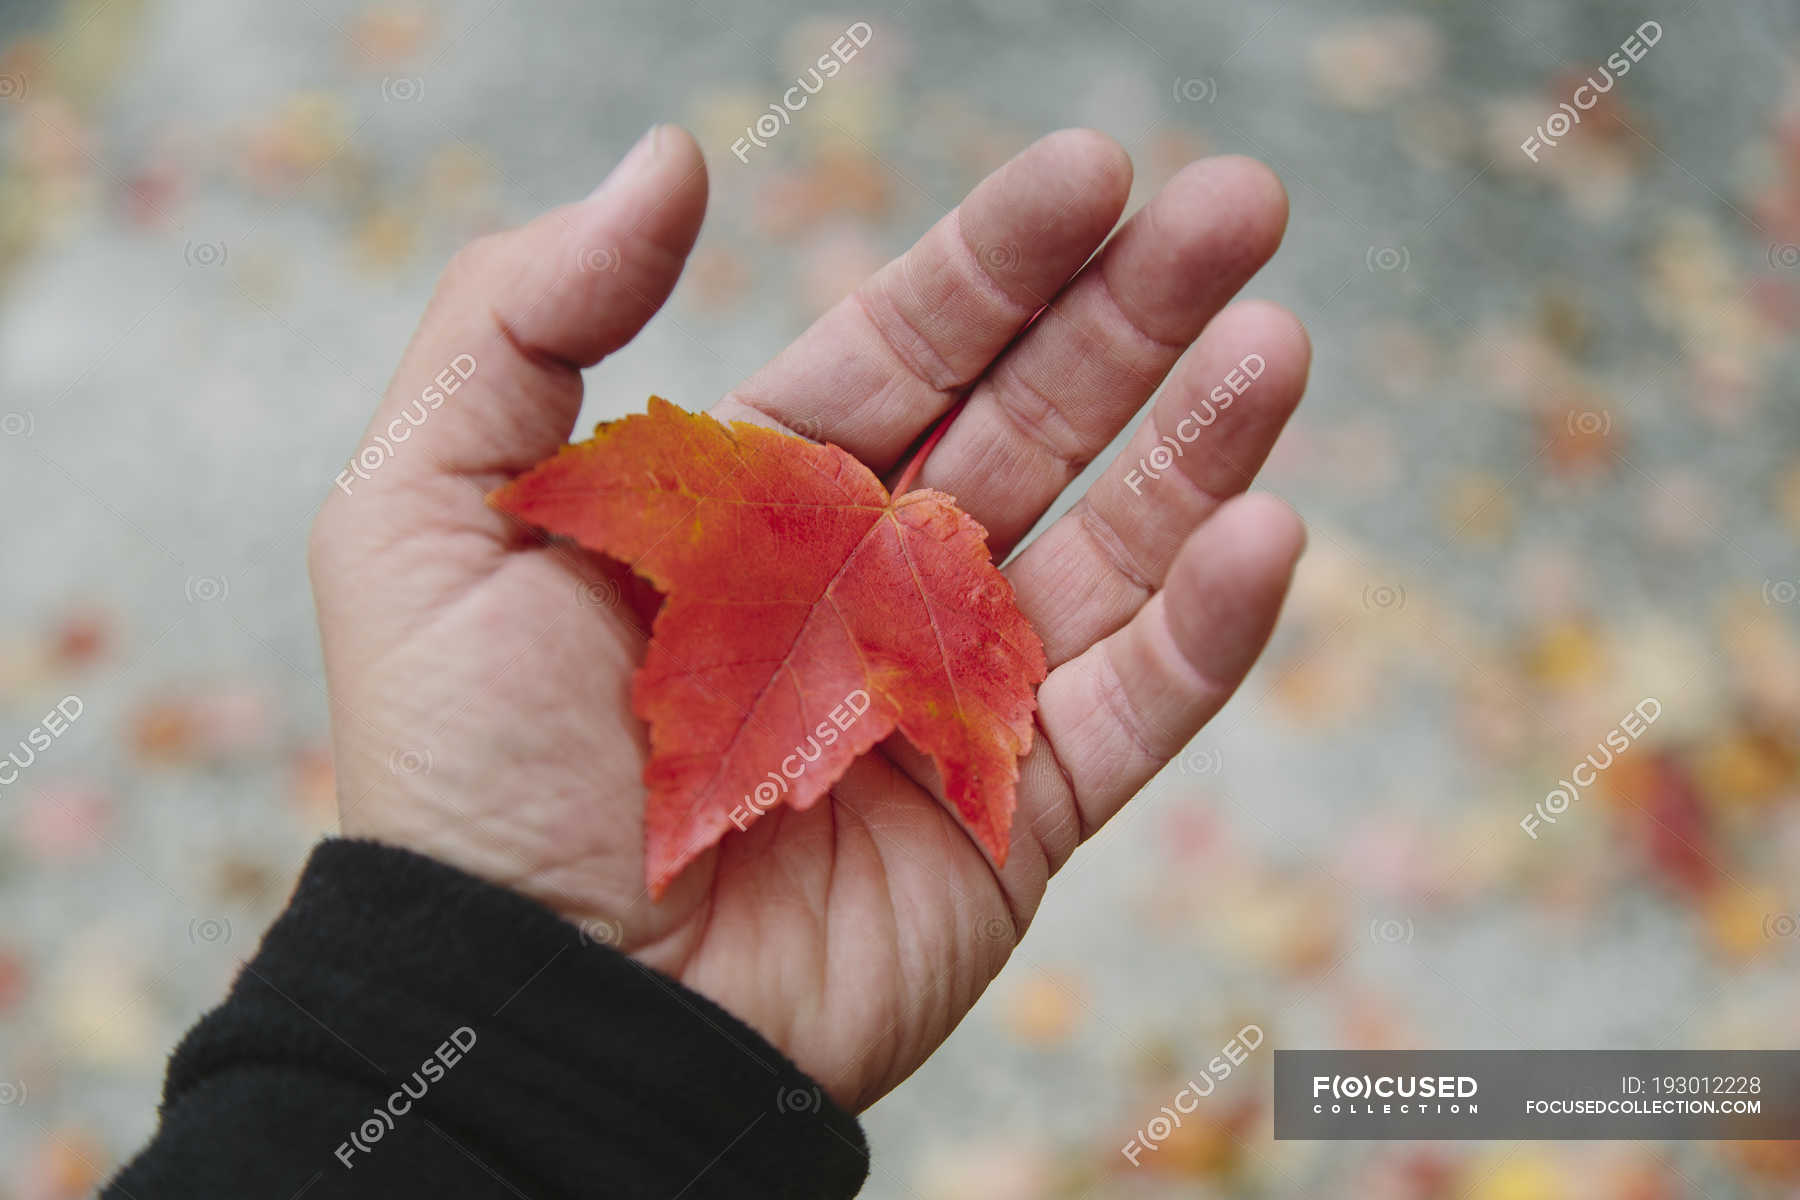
(1118, 712)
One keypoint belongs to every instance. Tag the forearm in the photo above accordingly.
(408, 1030)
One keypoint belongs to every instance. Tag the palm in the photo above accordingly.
(480, 676)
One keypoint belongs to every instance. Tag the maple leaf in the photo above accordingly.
(808, 615)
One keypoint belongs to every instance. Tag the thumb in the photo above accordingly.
(491, 382)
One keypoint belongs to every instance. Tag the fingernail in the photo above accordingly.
(647, 148)
(642, 152)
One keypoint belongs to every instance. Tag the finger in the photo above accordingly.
(873, 372)
(1109, 719)
(1113, 716)
(1087, 574)
(1057, 398)
(491, 382)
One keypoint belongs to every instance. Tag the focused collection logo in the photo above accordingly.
(1388, 1095)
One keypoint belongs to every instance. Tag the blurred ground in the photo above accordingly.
(1550, 458)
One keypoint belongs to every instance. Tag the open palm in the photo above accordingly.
(479, 674)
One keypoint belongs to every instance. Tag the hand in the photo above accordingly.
(479, 695)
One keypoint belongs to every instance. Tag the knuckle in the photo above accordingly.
(472, 262)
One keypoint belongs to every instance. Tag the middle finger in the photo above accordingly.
(1072, 381)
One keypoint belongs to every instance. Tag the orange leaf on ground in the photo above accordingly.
(808, 616)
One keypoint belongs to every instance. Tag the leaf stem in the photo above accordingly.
(913, 468)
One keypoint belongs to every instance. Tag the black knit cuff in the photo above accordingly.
(560, 1066)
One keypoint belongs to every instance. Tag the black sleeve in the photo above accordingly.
(408, 1030)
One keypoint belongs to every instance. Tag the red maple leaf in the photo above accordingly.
(808, 615)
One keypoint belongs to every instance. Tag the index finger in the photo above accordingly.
(874, 372)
